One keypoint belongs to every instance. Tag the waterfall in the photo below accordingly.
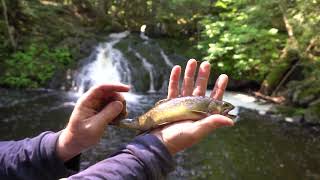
(170, 65)
(149, 67)
(109, 66)
(166, 59)
(142, 33)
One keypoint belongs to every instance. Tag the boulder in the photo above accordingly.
(312, 113)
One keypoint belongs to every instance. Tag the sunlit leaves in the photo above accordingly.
(238, 46)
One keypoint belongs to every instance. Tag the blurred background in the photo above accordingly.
(53, 51)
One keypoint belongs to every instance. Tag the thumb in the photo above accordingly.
(108, 113)
(208, 124)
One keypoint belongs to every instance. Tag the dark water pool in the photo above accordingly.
(253, 149)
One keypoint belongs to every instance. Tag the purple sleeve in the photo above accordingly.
(144, 158)
(32, 158)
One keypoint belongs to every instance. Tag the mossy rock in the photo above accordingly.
(312, 114)
(304, 92)
(289, 110)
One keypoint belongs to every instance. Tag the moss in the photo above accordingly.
(181, 46)
(290, 110)
(312, 88)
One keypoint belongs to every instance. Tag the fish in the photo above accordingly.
(177, 109)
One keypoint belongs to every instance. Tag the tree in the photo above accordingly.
(10, 29)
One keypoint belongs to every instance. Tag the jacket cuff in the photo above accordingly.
(57, 167)
(156, 157)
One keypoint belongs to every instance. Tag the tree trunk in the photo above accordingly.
(10, 29)
(289, 57)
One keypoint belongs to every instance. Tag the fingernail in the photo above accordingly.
(206, 62)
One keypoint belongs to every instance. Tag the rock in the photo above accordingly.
(294, 119)
(315, 102)
(135, 49)
(62, 79)
(295, 96)
(304, 101)
(312, 114)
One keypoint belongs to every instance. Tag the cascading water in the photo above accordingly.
(109, 66)
(166, 59)
(142, 33)
(149, 68)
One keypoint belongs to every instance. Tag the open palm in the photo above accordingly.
(181, 135)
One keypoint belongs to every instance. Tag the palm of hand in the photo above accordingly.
(181, 135)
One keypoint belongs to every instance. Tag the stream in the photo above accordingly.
(255, 148)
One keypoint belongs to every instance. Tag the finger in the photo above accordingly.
(219, 87)
(173, 88)
(202, 79)
(100, 91)
(114, 96)
(110, 112)
(208, 124)
(188, 80)
(97, 94)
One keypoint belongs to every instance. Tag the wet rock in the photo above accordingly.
(312, 114)
(294, 119)
(304, 101)
(135, 49)
(62, 80)
(245, 113)
(297, 118)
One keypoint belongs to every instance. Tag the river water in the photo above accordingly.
(255, 148)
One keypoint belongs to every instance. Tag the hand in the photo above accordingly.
(91, 115)
(184, 134)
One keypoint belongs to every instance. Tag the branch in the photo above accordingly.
(273, 99)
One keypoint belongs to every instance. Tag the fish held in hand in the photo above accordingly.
(178, 109)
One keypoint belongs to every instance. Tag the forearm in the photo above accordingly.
(32, 158)
(144, 158)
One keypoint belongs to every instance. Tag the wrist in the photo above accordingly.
(171, 148)
(67, 147)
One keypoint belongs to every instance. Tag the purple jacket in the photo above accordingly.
(144, 158)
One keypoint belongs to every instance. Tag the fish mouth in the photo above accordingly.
(226, 113)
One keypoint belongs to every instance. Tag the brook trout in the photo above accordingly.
(177, 109)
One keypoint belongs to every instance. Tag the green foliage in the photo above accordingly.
(238, 46)
(305, 18)
(35, 66)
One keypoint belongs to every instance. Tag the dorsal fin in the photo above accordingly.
(162, 101)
